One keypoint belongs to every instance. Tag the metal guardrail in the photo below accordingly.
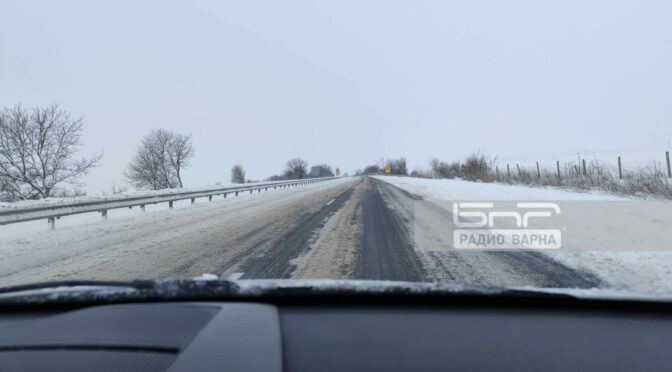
(57, 210)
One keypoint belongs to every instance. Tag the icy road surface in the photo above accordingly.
(350, 228)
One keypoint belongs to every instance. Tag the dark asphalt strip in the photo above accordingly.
(386, 251)
(546, 272)
(275, 262)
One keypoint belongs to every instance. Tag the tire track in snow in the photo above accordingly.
(276, 261)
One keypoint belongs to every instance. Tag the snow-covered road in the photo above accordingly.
(350, 228)
(186, 242)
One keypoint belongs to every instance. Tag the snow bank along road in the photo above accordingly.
(350, 228)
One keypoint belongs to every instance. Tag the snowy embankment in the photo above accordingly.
(4, 206)
(626, 242)
(444, 189)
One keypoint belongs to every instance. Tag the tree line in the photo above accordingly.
(39, 146)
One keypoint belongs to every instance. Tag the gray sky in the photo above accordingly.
(344, 82)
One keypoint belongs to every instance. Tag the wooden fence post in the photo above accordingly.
(669, 170)
(557, 163)
(517, 166)
(538, 172)
(585, 172)
(620, 169)
(508, 171)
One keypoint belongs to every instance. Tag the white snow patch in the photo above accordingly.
(207, 276)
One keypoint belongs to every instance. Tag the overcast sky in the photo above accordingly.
(344, 82)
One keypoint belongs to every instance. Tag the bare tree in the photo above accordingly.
(180, 152)
(237, 174)
(296, 169)
(159, 160)
(147, 169)
(37, 151)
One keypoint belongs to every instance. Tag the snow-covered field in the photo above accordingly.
(630, 159)
(445, 189)
(625, 242)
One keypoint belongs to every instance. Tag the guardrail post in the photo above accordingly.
(251, 190)
(170, 204)
(236, 193)
(103, 213)
(193, 200)
(209, 197)
(669, 169)
(224, 195)
(142, 207)
(259, 189)
(52, 223)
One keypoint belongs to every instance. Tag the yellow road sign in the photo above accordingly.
(338, 172)
(388, 169)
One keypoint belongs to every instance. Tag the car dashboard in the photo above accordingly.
(334, 336)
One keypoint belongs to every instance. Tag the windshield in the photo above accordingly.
(498, 144)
